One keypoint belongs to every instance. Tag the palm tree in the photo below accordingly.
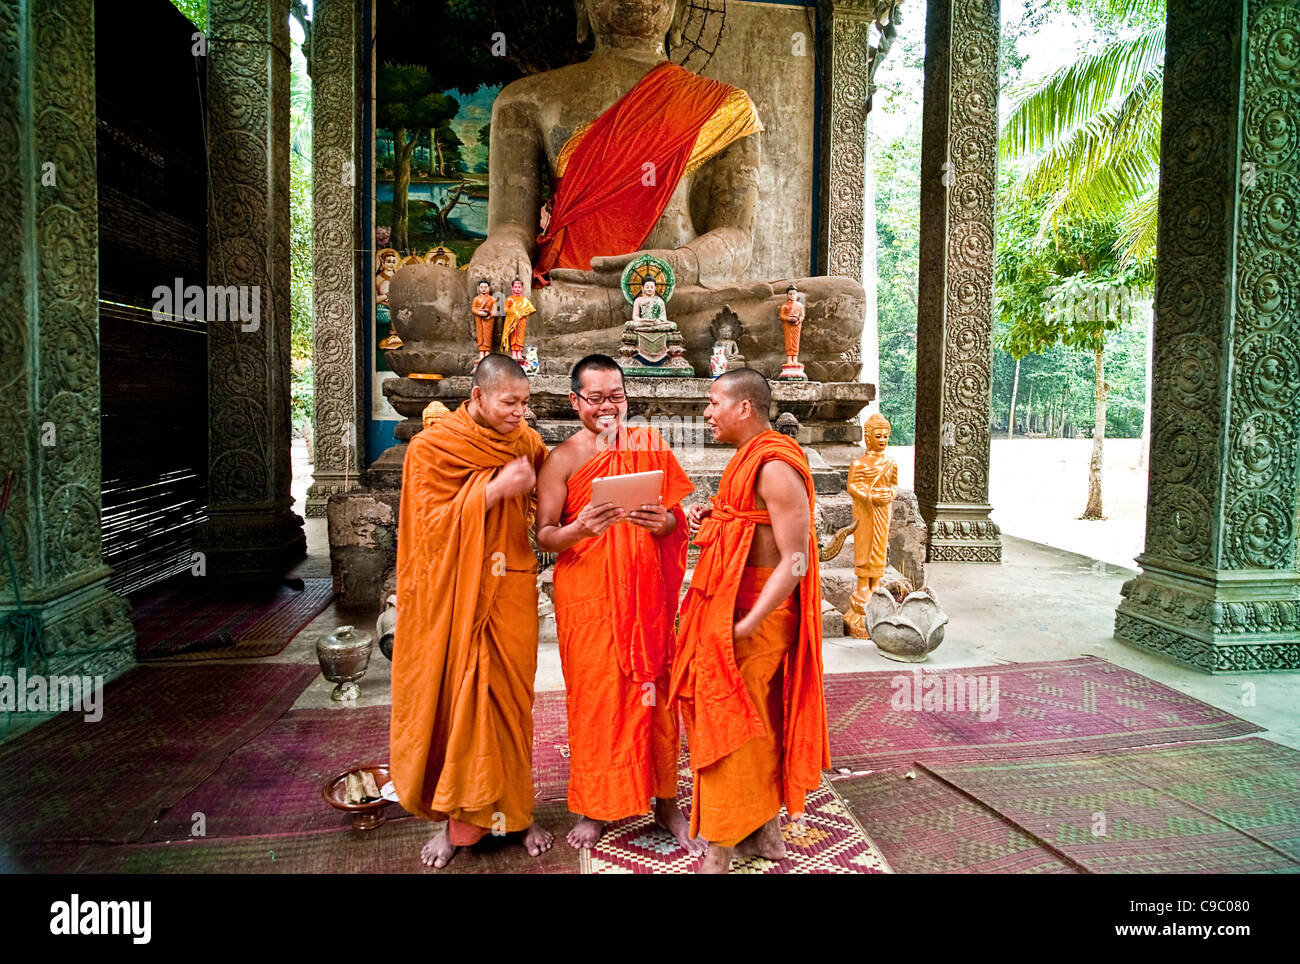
(1088, 134)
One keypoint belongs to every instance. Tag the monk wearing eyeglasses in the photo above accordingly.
(617, 581)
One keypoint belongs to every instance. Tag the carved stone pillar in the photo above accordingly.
(1219, 587)
(846, 31)
(954, 358)
(49, 336)
(337, 347)
(252, 532)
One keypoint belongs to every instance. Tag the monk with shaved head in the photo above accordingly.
(747, 673)
(465, 651)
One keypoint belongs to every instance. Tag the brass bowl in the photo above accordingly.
(365, 816)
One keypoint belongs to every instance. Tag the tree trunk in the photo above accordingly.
(436, 148)
(1093, 509)
(1145, 443)
(402, 149)
(1029, 410)
(1015, 384)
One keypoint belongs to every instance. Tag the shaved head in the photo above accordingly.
(495, 371)
(592, 363)
(745, 384)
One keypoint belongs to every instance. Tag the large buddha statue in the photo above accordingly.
(644, 157)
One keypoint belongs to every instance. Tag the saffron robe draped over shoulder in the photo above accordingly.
(465, 651)
(717, 708)
(615, 602)
(614, 177)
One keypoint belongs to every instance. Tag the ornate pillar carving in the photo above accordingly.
(252, 532)
(846, 31)
(49, 335)
(954, 358)
(337, 347)
(1219, 587)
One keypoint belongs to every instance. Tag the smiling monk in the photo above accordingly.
(465, 652)
(748, 668)
(616, 586)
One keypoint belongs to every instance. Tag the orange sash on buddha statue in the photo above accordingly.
(717, 707)
(615, 601)
(465, 651)
(615, 176)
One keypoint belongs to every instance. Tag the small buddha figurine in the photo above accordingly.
(649, 313)
(483, 307)
(726, 355)
(518, 308)
(792, 312)
(873, 482)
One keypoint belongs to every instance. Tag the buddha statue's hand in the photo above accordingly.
(501, 260)
(607, 271)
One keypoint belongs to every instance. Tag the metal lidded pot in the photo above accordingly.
(344, 656)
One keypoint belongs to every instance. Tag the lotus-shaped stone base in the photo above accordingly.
(908, 631)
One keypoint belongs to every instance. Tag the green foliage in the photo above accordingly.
(302, 395)
(196, 10)
(1057, 301)
(406, 97)
(455, 41)
(300, 209)
(1089, 133)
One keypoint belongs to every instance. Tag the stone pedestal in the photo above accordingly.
(49, 417)
(252, 534)
(955, 314)
(1219, 587)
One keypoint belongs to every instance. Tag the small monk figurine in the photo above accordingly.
(518, 308)
(792, 312)
(483, 308)
(649, 313)
(873, 481)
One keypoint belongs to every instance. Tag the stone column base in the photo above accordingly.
(239, 545)
(962, 533)
(85, 630)
(326, 484)
(1215, 621)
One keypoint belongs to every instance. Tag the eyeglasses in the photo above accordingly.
(618, 398)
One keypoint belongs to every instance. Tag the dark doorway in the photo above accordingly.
(152, 231)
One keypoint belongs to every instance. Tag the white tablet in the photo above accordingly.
(629, 492)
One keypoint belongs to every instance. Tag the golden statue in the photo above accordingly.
(873, 481)
(518, 308)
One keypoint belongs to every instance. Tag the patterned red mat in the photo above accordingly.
(1041, 709)
(188, 619)
(830, 842)
(164, 729)
(1230, 807)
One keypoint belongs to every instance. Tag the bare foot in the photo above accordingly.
(766, 841)
(537, 840)
(670, 818)
(585, 834)
(717, 860)
(438, 851)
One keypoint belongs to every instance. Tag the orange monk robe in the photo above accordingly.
(518, 308)
(483, 326)
(615, 601)
(792, 317)
(465, 651)
(615, 176)
(754, 709)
